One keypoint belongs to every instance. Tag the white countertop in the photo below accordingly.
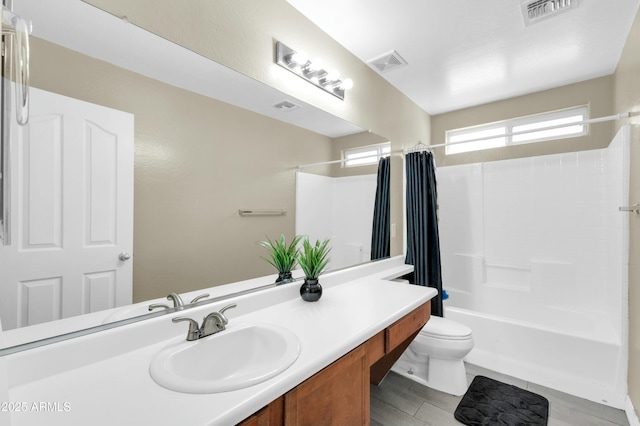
(103, 379)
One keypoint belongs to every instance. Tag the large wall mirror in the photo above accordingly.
(198, 143)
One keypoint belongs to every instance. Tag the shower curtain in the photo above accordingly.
(381, 213)
(423, 242)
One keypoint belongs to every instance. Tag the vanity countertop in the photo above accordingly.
(113, 387)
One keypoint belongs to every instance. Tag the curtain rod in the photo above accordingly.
(420, 146)
(344, 160)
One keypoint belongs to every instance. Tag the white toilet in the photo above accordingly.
(434, 358)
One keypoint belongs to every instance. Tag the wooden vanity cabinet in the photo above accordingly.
(271, 415)
(339, 394)
(397, 338)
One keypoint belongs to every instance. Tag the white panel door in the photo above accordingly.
(72, 212)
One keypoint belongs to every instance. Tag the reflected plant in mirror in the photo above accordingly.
(313, 260)
(283, 257)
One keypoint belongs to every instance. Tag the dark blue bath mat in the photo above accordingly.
(489, 402)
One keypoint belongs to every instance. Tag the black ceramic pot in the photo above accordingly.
(311, 290)
(284, 278)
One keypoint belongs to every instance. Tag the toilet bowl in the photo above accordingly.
(434, 358)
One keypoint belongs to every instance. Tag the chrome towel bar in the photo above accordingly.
(634, 208)
(262, 212)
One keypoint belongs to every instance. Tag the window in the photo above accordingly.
(366, 155)
(551, 125)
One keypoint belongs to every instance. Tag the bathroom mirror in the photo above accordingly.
(197, 160)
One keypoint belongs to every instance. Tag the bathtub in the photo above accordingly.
(582, 358)
(535, 257)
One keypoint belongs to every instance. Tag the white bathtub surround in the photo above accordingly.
(340, 209)
(534, 257)
(632, 417)
(105, 378)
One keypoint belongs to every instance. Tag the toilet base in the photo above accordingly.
(446, 375)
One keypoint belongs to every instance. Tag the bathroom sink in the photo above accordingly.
(240, 356)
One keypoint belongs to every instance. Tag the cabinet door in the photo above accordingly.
(338, 395)
(271, 415)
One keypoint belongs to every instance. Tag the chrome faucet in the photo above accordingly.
(177, 301)
(213, 323)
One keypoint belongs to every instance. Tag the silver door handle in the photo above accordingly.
(124, 256)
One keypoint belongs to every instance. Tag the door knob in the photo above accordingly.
(124, 256)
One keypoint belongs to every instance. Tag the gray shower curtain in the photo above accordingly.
(381, 213)
(423, 242)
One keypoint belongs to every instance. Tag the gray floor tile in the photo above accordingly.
(442, 400)
(474, 370)
(436, 416)
(399, 401)
(566, 405)
(387, 415)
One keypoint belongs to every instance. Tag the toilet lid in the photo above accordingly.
(441, 328)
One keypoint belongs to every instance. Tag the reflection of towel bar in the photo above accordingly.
(634, 208)
(261, 212)
(503, 266)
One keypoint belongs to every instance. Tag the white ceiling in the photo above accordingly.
(459, 52)
(81, 27)
(462, 53)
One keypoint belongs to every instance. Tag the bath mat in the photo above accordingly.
(489, 402)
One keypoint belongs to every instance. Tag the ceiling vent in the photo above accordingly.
(534, 11)
(387, 62)
(286, 106)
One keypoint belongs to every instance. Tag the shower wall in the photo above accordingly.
(540, 241)
(340, 209)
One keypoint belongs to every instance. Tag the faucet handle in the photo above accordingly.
(225, 320)
(194, 329)
(200, 297)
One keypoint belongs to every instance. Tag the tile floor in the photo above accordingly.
(399, 401)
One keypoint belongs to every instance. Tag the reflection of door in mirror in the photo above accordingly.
(72, 164)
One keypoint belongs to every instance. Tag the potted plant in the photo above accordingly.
(282, 257)
(313, 259)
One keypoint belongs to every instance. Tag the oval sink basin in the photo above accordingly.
(238, 357)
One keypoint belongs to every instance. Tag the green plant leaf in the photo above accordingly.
(313, 259)
(282, 257)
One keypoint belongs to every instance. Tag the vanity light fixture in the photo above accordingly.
(312, 70)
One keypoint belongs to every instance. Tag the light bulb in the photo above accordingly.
(299, 58)
(347, 84)
(316, 64)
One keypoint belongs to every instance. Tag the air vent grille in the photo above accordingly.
(387, 62)
(539, 10)
(286, 106)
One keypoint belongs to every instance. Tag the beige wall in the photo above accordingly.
(197, 161)
(241, 34)
(596, 93)
(627, 98)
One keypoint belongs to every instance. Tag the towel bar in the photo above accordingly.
(261, 212)
(634, 208)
